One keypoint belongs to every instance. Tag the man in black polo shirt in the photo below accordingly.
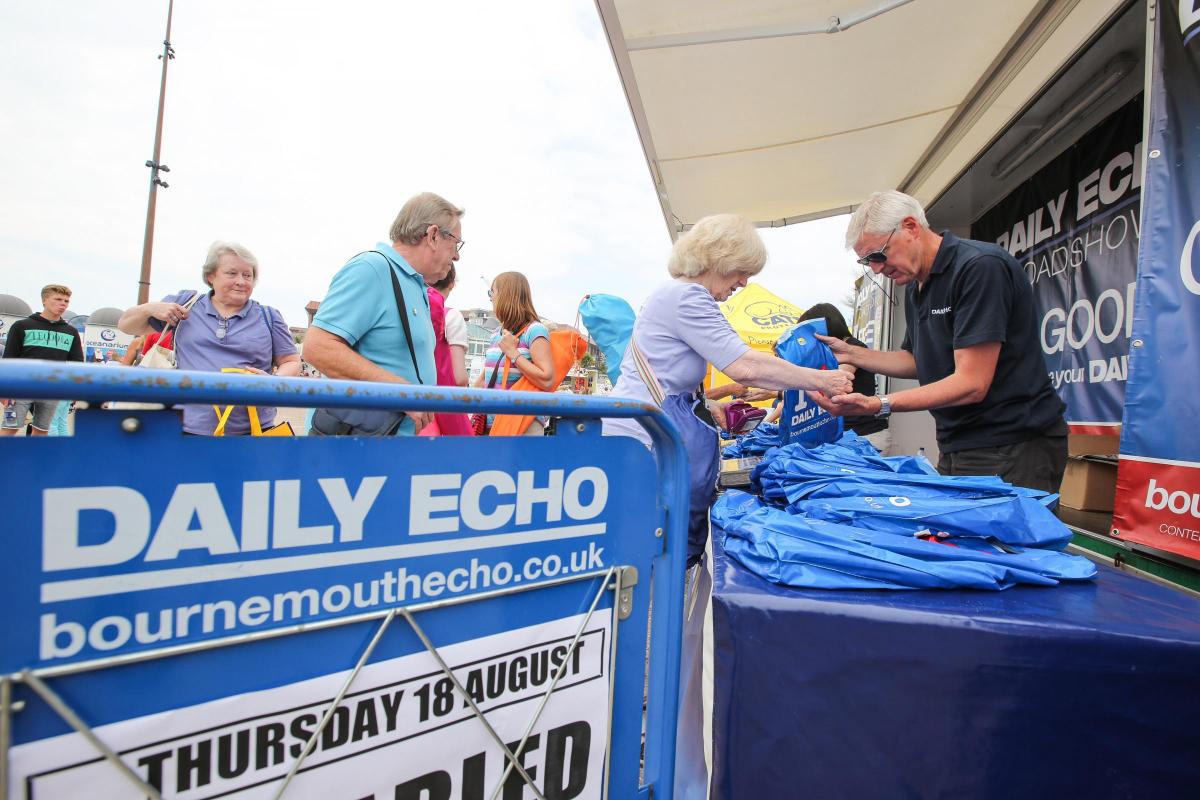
(972, 343)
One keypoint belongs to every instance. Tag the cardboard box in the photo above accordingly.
(1089, 483)
(1091, 445)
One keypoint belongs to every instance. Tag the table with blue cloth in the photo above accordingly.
(1088, 690)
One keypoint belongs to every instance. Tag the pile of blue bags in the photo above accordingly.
(840, 516)
(754, 443)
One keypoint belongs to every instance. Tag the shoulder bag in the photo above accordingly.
(160, 357)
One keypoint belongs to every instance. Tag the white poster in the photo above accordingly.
(103, 344)
(402, 732)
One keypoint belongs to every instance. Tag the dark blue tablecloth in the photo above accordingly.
(1078, 691)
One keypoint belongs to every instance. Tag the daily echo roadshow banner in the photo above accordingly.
(1075, 227)
(1158, 480)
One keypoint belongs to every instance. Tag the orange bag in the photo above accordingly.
(567, 346)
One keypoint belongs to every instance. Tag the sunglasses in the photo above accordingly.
(878, 256)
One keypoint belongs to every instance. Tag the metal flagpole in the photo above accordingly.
(168, 53)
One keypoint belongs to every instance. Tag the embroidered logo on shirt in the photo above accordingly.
(945, 310)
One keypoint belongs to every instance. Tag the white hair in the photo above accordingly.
(726, 243)
(218, 249)
(883, 212)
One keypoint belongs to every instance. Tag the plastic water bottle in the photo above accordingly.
(921, 452)
(10, 416)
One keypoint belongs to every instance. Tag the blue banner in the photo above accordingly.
(342, 617)
(191, 548)
(1158, 484)
(1075, 226)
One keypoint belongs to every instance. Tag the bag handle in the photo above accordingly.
(268, 318)
(224, 412)
(186, 307)
(647, 372)
(507, 362)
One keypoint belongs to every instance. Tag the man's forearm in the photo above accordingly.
(336, 359)
(893, 363)
(953, 390)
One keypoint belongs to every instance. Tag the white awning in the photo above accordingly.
(751, 107)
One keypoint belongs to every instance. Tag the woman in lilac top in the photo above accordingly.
(680, 331)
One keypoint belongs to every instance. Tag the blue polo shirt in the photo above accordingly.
(360, 307)
(977, 293)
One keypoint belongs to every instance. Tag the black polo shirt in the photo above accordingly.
(976, 293)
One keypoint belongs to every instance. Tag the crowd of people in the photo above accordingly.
(971, 343)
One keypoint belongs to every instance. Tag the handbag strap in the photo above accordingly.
(186, 307)
(267, 317)
(647, 372)
(398, 292)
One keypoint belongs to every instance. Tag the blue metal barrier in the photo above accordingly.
(180, 619)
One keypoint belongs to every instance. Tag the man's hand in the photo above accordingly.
(420, 419)
(841, 350)
(847, 405)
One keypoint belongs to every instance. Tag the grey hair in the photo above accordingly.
(218, 249)
(883, 212)
(419, 213)
(726, 243)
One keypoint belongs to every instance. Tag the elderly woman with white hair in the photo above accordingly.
(219, 329)
(678, 333)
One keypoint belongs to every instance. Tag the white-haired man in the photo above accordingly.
(358, 332)
(972, 343)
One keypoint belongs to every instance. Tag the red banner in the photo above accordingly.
(1158, 504)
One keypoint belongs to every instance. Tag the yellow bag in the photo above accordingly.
(256, 429)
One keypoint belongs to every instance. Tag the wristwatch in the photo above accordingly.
(885, 407)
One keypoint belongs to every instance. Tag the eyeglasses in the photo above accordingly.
(222, 328)
(458, 243)
(878, 256)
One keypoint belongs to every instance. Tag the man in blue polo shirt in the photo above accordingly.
(972, 343)
(357, 333)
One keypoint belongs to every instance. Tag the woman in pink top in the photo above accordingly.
(450, 358)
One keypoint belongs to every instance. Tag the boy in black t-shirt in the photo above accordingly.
(46, 336)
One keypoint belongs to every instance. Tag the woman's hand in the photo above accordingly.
(833, 382)
(169, 313)
(255, 370)
(508, 346)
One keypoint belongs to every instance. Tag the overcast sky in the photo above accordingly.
(299, 128)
